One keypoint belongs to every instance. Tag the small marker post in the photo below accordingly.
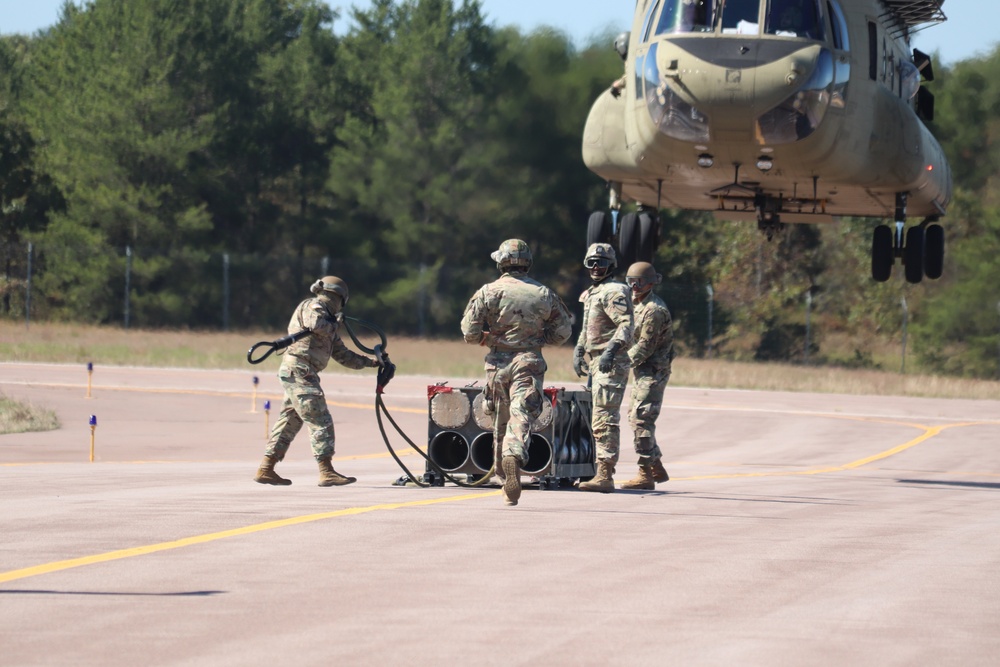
(93, 427)
(90, 375)
(253, 401)
(267, 419)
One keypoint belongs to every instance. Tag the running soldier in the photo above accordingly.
(514, 316)
(651, 354)
(604, 339)
(305, 401)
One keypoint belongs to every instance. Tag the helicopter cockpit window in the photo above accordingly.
(909, 79)
(840, 39)
(794, 18)
(647, 22)
(740, 17)
(685, 16)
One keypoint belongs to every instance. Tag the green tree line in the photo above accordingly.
(249, 134)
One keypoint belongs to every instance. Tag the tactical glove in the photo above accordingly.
(579, 364)
(607, 360)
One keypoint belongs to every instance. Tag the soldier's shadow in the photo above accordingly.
(646, 492)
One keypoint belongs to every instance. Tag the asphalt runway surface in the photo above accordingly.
(796, 529)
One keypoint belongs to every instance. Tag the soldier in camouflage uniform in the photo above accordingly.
(604, 340)
(650, 355)
(514, 316)
(305, 401)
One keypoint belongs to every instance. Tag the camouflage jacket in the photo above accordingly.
(654, 335)
(607, 316)
(514, 313)
(324, 342)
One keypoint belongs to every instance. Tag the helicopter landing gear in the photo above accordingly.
(922, 253)
(638, 237)
(635, 240)
(770, 227)
(933, 249)
(600, 228)
(635, 237)
(883, 253)
(768, 220)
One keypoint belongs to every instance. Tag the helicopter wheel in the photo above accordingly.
(933, 251)
(599, 228)
(882, 254)
(628, 240)
(649, 227)
(913, 255)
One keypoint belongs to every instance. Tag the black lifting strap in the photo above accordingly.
(380, 409)
(275, 346)
(386, 371)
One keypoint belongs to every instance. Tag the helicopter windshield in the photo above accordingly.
(793, 18)
(686, 16)
(740, 17)
(783, 18)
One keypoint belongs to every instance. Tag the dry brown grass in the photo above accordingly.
(64, 343)
(25, 417)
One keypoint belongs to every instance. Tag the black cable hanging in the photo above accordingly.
(387, 370)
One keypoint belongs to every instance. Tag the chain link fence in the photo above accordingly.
(149, 288)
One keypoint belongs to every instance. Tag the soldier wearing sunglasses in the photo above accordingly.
(601, 353)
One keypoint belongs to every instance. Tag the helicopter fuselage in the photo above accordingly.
(814, 120)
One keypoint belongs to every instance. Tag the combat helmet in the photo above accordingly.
(600, 260)
(601, 251)
(643, 275)
(621, 45)
(331, 285)
(512, 253)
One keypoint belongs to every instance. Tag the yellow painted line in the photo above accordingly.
(929, 432)
(57, 566)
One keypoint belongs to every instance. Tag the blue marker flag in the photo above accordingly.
(93, 420)
(90, 366)
(267, 405)
(255, 380)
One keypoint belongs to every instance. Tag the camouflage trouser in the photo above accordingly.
(644, 408)
(607, 391)
(514, 383)
(304, 403)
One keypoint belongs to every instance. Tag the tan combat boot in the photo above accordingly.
(603, 480)
(643, 481)
(659, 472)
(266, 475)
(498, 464)
(330, 477)
(649, 475)
(512, 480)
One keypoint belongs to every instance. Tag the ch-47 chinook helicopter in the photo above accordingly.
(776, 111)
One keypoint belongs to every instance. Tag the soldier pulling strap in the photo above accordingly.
(386, 371)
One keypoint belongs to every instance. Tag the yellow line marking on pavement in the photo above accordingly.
(929, 432)
(211, 537)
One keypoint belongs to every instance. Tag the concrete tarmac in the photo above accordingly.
(796, 529)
